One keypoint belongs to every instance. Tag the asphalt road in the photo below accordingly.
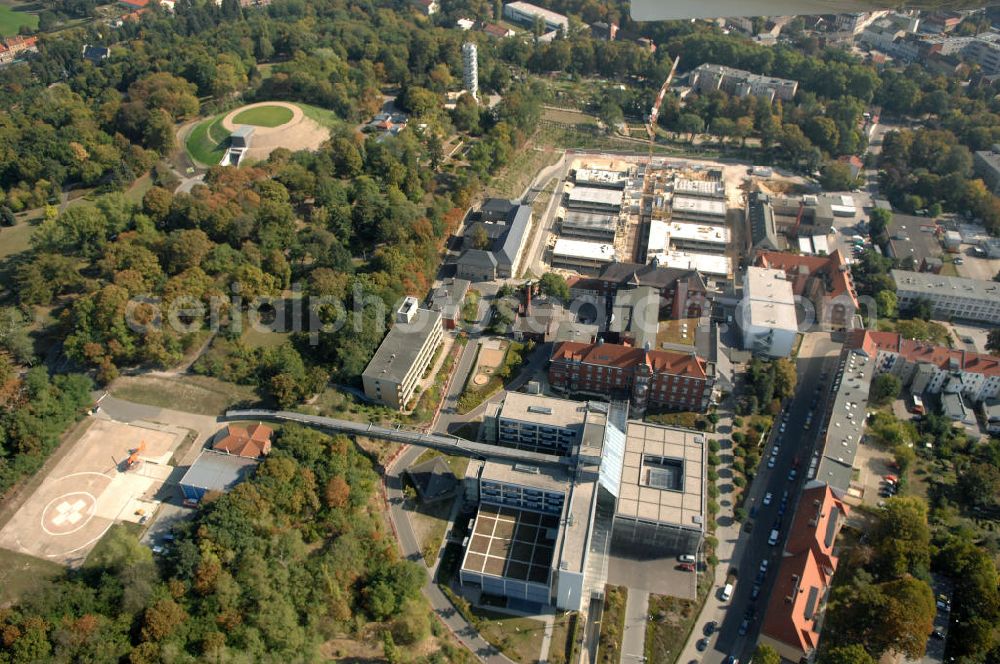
(796, 443)
(410, 549)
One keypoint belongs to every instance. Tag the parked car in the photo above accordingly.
(686, 567)
(768, 497)
(744, 627)
(686, 558)
(771, 462)
(755, 591)
(710, 627)
(791, 475)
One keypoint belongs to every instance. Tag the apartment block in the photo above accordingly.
(925, 367)
(802, 584)
(708, 77)
(987, 166)
(400, 361)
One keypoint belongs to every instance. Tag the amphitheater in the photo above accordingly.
(298, 133)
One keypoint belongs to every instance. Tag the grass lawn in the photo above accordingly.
(518, 174)
(519, 638)
(322, 116)
(685, 419)
(15, 239)
(612, 625)
(207, 142)
(671, 621)
(264, 338)
(568, 117)
(139, 189)
(470, 309)
(195, 394)
(12, 20)
(21, 576)
(264, 116)
(458, 464)
(563, 634)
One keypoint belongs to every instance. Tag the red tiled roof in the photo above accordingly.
(807, 570)
(618, 355)
(495, 30)
(253, 441)
(138, 4)
(921, 351)
(800, 267)
(800, 581)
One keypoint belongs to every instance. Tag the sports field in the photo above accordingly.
(279, 124)
(264, 116)
(11, 20)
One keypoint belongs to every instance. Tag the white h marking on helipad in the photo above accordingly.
(68, 512)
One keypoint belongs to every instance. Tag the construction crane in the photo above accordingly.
(655, 112)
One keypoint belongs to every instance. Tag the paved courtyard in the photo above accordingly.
(89, 490)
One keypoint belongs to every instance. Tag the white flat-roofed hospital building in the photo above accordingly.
(766, 314)
(525, 13)
(949, 297)
(544, 533)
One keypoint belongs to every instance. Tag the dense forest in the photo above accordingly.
(268, 572)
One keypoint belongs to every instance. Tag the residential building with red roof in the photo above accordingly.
(925, 367)
(251, 442)
(15, 47)
(134, 4)
(823, 280)
(650, 379)
(794, 615)
(498, 31)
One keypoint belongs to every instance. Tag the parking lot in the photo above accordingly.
(976, 267)
(89, 490)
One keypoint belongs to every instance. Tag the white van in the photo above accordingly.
(727, 592)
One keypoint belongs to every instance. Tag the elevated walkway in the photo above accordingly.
(442, 443)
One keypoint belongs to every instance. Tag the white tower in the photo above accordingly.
(470, 69)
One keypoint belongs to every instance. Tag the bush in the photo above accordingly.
(713, 491)
(712, 475)
(740, 514)
(713, 445)
(713, 459)
(737, 421)
(739, 481)
(713, 507)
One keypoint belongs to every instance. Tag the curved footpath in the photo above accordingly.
(442, 606)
